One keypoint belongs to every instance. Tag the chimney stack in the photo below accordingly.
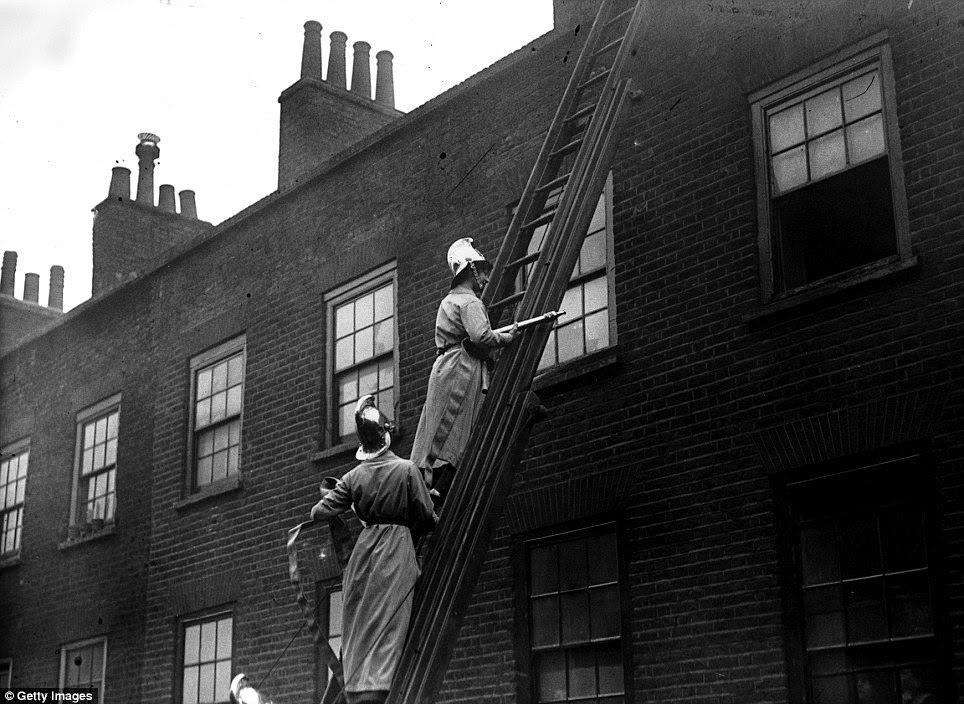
(336, 60)
(120, 183)
(147, 151)
(361, 71)
(55, 297)
(165, 199)
(384, 80)
(9, 276)
(188, 205)
(31, 288)
(311, 51)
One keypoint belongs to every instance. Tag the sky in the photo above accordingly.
(79, 79)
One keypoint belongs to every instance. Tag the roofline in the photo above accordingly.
(405, 121)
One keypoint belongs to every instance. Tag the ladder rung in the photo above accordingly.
(549, 185)
(521, 261)
(581, 112)
(595, 79)
(609, 47)
(574, 144)
(546, 217)
(618, 17)
(508, 299)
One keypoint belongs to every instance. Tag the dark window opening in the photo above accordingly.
(834, 225)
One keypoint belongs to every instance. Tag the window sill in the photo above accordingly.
(574, 368)
(829, 287)
(339, 450)
(11, 560)
(108, 529)
(218, 488)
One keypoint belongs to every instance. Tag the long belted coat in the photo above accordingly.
(390, 497)
(455, 385)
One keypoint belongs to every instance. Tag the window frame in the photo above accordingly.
(357, 287)
(83, 644)
(199, 617)
(197, 363)
(588, 361)
(791, 574)
(101, 408)
(873, 51)
(11, 450)
(526, 683)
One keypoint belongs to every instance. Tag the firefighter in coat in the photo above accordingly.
(389, 495)
(464, 340)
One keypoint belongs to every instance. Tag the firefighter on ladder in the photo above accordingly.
(464, 340)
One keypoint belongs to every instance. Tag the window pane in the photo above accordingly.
(908, 597)
(221, 438)
(384, 336)
(543, 574)
(384, 304)
(218, 406)
(225, 632)
(786, 128)
(87, 465)
(597, 331)
(823, 112)
(208, 640)
(551, 674)
(582, 673)
(206, 444)
(335, 603)
(204, 471)
(610, 670)
(235, 432)
(575, 617)
(865, 139)
(861, 96)
(344, 353)
(219, 377)
(876, 687)
(368, 380)
(88, 435)
(100, 434)
(597, 294)
(866, 618)
(549, 354)
(598, 221)
(219, 467)
(364, 344)
(364, 311)
(545, 621)
(204, 383)
(831, 689)
(825, 624)
(189, 690)
(344, 320)
(827, 154)
(233, 460)
(192, 640)
(222, 681)
(790, 169)
(903, 536)
(235, 370)
(593, 253)
(347, 387)
(818, 550)
(861, 548)
(570, 341)
(99, 456)
(206, 684)
(346, 420)
(919, 684)
(604, 610)
(234, 401)
(603, 566)
(386, 402)
(110, 455)
(386, 374)
(572, 557)
(112, 425)
(572, 304)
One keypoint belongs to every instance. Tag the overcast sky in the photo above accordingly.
(80, 78)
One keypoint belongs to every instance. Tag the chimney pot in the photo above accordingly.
(336, 60)
(165, 199)
(147, 151)
(120, 183)
(55, 297)
(188, 205)
(384, 79)
(311, 52)
(361, 71)
(8, 277)
(31, 288)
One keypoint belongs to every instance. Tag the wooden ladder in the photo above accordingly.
(530, 277)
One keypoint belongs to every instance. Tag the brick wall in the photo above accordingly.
(675, 424)
(20, 319)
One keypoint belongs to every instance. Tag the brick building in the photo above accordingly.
(749, 488)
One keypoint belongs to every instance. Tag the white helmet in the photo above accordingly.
(461, 254)
(244, 693)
